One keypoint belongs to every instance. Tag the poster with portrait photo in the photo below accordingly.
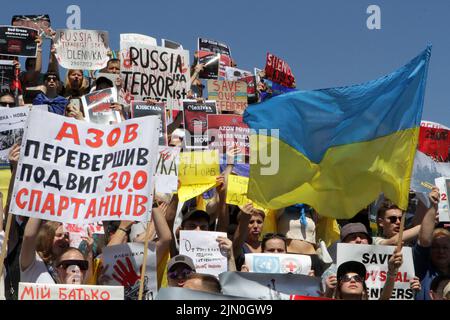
(12, 124)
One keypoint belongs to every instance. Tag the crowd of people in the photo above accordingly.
(39, 251)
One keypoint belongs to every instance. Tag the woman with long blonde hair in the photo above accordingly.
(75, 84)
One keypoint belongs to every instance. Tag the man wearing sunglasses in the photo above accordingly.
(56, 103)
(178, 270)
(71, 267)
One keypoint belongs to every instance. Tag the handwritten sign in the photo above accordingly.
(124, 263)
(237, 191)
(376, 258)
(203, 248)
(166, 176)
(44, 291)
(278, 263)
(229, 95)
(79, 172)
(82, 49)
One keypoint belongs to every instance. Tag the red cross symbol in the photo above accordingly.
(291, 266)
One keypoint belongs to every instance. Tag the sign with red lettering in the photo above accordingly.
(279, 71)
(434, 141)
(227, 131)
(46, 291)
(97, 106)
(123, 264)
(79, 172)
(229, 95)
(82, 49)
(375, 258)
(235, 74)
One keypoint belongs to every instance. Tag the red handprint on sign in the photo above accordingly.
(125, 274)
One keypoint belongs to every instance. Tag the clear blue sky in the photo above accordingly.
(326, 42)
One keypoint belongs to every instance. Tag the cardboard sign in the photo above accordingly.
(78, 172)
(195, 121)
(12, 124)
(166, 176)
(269, 286)
(46, 291)
(229, 95)
(39, 22)
(227, 131)
(210, 61)
(156, 72)
(18, 41)
(376, 258)
(6, 75)
(82, 49)
(143, 109)
(203, 248)
(124, 264)
(278, 263)
(434, 141)
(97, 106)
(425, 171)
(213, 46)
(279, 71)
(443, 183)
(237, 191)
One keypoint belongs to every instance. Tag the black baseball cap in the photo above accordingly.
(193, 214)
(351, 266)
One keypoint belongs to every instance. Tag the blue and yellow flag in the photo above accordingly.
(339, 148)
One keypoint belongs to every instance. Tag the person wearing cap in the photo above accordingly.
(56, 103)
(349, 282)
(178, 269)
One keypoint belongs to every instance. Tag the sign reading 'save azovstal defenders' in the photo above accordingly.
(79, 172)
(376, 258)
(156, 72)
(82, 49)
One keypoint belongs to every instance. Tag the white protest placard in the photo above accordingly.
(46, 291)
(155, 72)
(138, 38)
(123, 265)
(82, 49)
(166, 177)
(12, 123)
(78, 172)
(278, 263)
(443, 183)
(203, 248)
(375, 258)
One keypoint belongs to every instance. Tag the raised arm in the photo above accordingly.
(38, 65)
(121, 234)
(241, 231)
(394, 263)
(428, 222)
(408, 235)
(28, 250)
(162, 230)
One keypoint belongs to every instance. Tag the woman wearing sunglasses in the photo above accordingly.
(349, 282)
(71, 267)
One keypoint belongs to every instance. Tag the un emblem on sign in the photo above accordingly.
(266, 264)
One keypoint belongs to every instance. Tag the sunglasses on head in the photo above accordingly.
(174, 274)
(393, 219)
(82, 264)
(347, 278)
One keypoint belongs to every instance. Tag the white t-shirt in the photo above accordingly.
(2, 278)
(37, 272)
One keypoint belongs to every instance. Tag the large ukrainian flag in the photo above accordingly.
(339, 148)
